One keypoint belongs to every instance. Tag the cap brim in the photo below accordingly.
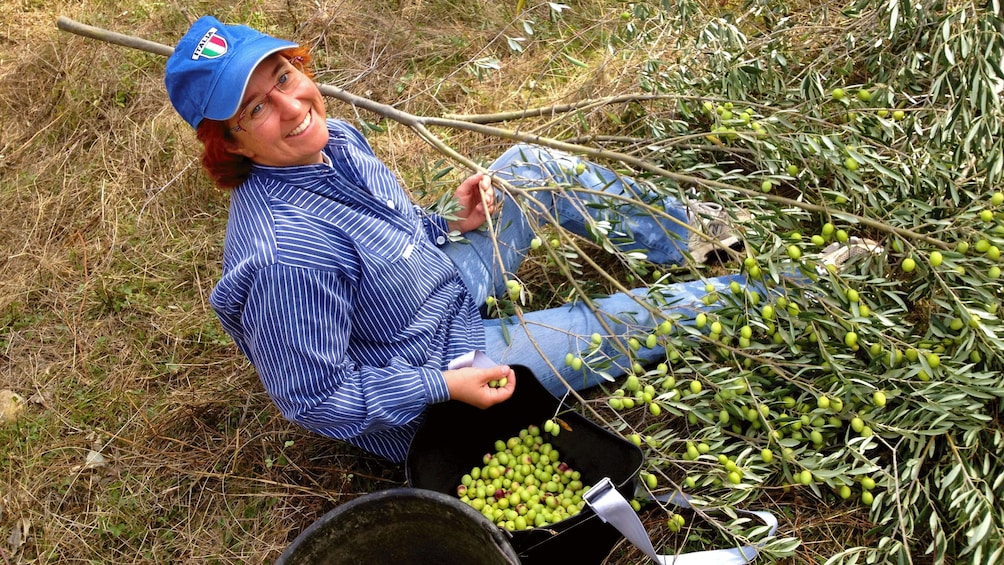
(225, 97)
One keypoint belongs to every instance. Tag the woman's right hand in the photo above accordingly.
(476, 198)
(470, 385)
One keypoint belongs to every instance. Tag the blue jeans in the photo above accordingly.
(544, 337)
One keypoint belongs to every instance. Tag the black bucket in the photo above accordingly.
(454, 437)
(402, 526)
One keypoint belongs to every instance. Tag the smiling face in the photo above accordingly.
(293, 130)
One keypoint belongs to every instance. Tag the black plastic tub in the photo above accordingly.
(454, 437)
(403, 526)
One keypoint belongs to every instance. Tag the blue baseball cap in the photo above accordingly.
(212, 63)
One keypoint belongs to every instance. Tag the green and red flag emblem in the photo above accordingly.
(211, 46)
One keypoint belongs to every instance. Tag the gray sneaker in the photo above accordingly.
(836, 254)
(722, 230)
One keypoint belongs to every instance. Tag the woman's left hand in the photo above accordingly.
(477, 201)
(472, 385)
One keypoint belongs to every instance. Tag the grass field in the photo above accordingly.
(145, 436)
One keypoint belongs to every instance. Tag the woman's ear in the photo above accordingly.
(237, 148)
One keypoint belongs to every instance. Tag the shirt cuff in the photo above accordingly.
(435, 385)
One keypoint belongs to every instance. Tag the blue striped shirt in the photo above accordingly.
(335, 288)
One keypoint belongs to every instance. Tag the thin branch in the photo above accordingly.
(66, 24)
(560, 109)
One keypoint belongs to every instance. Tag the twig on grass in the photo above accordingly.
(72, 26)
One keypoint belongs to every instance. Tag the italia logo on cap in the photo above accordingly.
(210, 46)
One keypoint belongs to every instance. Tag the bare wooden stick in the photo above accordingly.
(66, 24)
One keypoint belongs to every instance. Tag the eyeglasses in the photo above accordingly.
(255, 112)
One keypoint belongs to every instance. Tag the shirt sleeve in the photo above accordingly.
(297, 325)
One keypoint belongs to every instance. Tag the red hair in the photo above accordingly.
(226, 168)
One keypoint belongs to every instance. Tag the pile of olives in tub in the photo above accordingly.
(524, 484)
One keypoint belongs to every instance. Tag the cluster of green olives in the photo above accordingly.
(524, 484)
(498, 383)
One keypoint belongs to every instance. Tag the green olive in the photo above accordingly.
(651, 480)
(700, 320)
(857, 424)
(767, 312)
(934, 360)
(850, 339)
(878, 398)
(632, 383)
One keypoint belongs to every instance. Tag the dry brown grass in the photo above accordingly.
(113, 237)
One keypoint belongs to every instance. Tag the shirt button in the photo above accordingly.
(440, 240)
(390, 204)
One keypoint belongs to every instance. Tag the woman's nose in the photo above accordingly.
(286, 103)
